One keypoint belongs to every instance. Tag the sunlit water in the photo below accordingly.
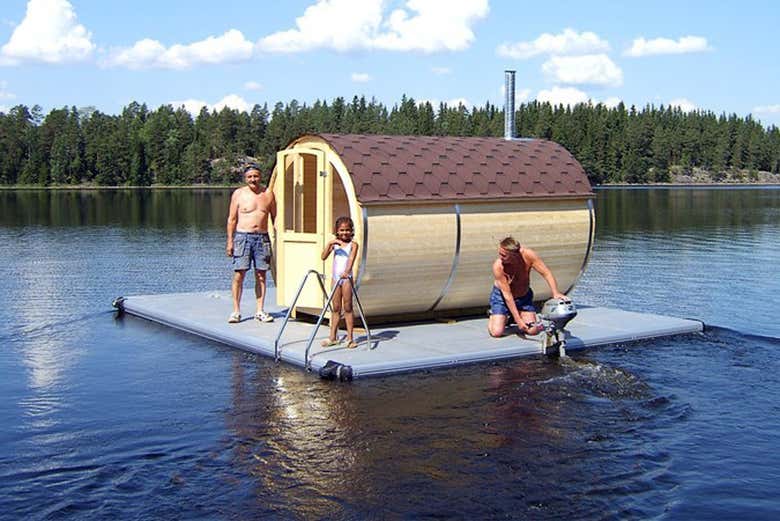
(106, 418)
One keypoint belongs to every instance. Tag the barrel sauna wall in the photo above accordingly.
(438, 258)
(429, 213)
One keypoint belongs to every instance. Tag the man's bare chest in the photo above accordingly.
(249, 203)
(517, 274)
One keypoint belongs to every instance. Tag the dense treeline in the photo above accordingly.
(167, 146)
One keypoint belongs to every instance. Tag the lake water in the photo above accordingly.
(105, 418)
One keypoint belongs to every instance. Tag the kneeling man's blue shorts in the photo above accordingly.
(251, 248)
(498, 304)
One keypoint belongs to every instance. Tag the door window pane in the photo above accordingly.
(309, 194)
(289, 194)
(300, 193)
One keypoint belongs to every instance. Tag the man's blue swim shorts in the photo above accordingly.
(498, 304)
(251, 248)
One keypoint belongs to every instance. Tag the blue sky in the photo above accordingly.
(695, 54)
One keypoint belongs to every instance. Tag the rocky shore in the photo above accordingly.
(701, 176)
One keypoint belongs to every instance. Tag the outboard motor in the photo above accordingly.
(557, 313)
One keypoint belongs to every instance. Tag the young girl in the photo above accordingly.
(344, 254)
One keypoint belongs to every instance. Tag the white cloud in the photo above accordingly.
(571, 96)
(437, 25)
(685, 44)
(334, 24)
(568, 42)
(457, 102)
(253, 85)
(233, 101)
(4, 94)
(345, 25)
(441, 71)
(50, 33)
(562, 96)
(451, 103)
(592, 69)
(148, 53)
(522, 95)
(684, 104)
(192, 106)
(767, 109)
(145, 53)
(360, 77)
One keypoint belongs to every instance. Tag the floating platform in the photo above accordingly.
(395, 348)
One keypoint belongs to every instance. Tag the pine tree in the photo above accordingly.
(13, 146)
(139, 147)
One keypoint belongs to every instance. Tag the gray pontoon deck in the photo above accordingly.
(397, 348)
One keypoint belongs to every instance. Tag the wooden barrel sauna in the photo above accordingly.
(429, 213)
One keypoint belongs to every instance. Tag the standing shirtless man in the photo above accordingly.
(247, 239)
(512, 294)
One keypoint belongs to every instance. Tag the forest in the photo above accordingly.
(167, 146)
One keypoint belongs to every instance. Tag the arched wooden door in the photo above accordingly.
(300, 190)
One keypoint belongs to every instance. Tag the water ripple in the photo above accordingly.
(105, 418)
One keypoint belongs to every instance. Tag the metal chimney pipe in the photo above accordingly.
(509, 104)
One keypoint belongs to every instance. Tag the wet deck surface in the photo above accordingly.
(397, 348)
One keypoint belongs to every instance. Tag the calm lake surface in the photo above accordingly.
(105, 418)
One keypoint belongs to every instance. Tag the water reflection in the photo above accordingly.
(672, 210)
(131, 420)
(296, 439)
(36, 317)
(699, 253)
(127, 207)
(318, 449)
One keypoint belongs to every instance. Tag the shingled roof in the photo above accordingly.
(435, 168)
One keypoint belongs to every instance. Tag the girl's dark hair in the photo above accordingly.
(342, 220)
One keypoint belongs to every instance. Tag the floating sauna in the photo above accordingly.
(429, 213)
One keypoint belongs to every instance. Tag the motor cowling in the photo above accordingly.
(558, 312)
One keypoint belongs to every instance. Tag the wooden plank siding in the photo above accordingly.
(421, 257)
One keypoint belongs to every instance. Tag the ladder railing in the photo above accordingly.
(329, 299)
(277, 354)
(307, 361)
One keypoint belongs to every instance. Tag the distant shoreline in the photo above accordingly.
(119, 187)
(225, 187)
(684, 185)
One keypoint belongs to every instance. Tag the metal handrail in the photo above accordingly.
(277, 355)
(320, 277)
(307, 362)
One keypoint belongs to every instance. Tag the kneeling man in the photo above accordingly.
(512, 295)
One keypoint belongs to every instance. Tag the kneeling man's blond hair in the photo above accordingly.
(509, 243)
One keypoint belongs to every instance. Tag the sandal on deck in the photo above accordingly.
(351, 344)
(329, 343)
(262, 316)
(234, 318)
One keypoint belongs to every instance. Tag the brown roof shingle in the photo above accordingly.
(434, 168)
